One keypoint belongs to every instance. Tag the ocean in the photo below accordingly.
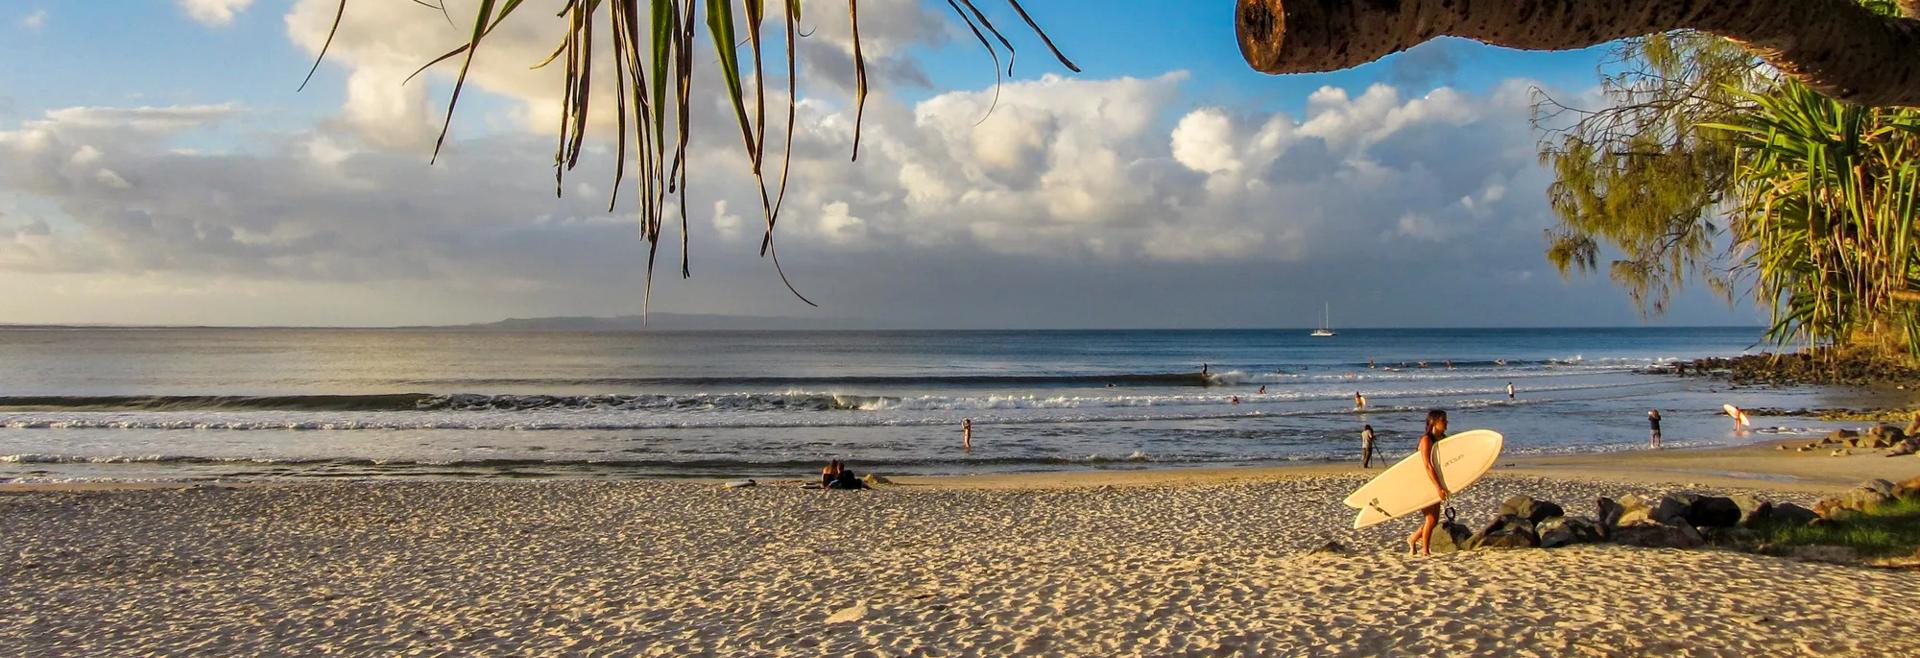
(204, 404)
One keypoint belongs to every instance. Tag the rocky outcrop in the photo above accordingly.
(1566, 531)
(1534, 511)
(1652, 534)
(1450, 537)
(1752, 509)
(1506, 532)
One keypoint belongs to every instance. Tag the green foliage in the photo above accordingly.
(1889, 530)
(1638, 175)
(1826, 194)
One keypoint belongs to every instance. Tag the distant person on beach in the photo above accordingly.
(966, 434)
(1359, 401)
(1263, 389)
(1739, 418)
(837, 476)
(1509, 391)
(1422, 540)
(1653, 419)
(1203, 370)
(1366, 446)
(1449, 364)
(1369, 363)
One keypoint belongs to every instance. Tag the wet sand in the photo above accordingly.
(1200, 563)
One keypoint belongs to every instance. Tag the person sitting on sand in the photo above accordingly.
(1366, 446)
(1422, 540)
(837, 476)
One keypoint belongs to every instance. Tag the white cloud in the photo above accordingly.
(34, 21)
(214, 13)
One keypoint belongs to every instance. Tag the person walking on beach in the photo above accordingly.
(1359, 401)
(966, 434)
(1422, 540)
(1653, 419)
(1509, 391)
(1366, 446)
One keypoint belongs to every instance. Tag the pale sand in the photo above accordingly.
(1178, 563)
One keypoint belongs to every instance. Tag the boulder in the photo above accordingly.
(1853, 500)
(1913, 426)
(1791, 514)
(1882, 486)
(1907, 447)
(1752, 509)
(1711, 511)
(1908, 490)
(1505, 532)
(1532, 510)
(1566, 531)
(1672, 509)
(1450, 537)
(1631, 508)
(1837, 436)
(1887, 432)
(1650, 534)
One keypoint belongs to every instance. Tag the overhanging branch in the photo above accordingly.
(1838, 47)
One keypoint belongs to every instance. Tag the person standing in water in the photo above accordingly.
(1359, 401)
(966, 434)
(1653, 419)
(1203, 370)
(1509, 391)
(1422, 540)
(1366, 446)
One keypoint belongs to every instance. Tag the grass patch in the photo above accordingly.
(1889, 530)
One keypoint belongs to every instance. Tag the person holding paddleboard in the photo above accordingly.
(1422, 540)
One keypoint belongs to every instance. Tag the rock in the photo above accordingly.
(1882, 486)
(1672, 509)
(1450, 537)
(1711, 511)
(1907, 447)
(1632, 509)
(1841, 453)
(1887, 432)
(1505, 532)
(1532, 510)
(1908, 490)
(1837, 436)
(1650, 534)
(1865, 499)
(1791, 514)
(1857, 442)
(1566, 531)
(1752, 510)
(848, 614)
(875, 480)
(1337, 548)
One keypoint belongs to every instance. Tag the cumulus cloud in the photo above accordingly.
(214, 13)
(34, 21)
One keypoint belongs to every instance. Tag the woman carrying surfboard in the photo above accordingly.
(1422, 540)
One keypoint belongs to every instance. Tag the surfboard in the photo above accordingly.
(1736, 413)
(1405, 489)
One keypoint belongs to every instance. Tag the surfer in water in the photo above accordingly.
(1653, 419)
(1422, 540)
(1366, 446)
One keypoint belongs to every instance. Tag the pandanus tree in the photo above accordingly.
(1707, 162)
(1835, 47)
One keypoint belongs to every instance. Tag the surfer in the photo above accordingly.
(1366, 446)
(1653, 419)
(1263, 389)
(1203, 370)
(966, 434)
(1422, 540)
(1236, 399)
(1369, 363)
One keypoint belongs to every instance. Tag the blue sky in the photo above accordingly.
(158, 166)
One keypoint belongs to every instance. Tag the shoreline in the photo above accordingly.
(1751, 466)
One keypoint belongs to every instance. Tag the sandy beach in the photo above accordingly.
(1112, 564)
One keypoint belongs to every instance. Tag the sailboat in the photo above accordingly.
(1323, 331)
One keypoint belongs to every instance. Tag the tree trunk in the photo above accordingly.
(1837, 47)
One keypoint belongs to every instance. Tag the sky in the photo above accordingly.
(160, 165)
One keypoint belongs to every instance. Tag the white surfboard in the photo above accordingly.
(1404, 489)
(1737, 414)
